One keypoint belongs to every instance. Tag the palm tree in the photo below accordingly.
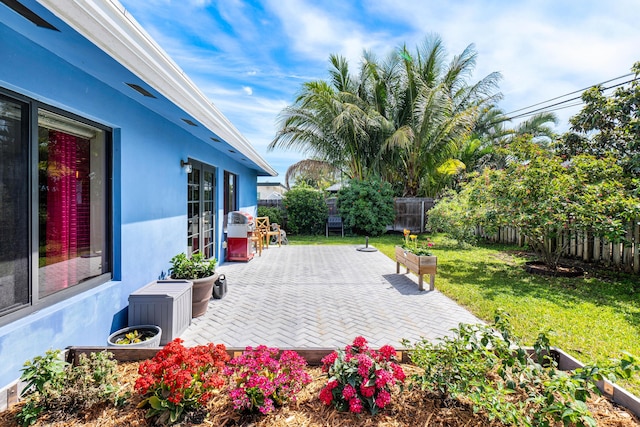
(491, 131)
(434, 111)
(330, 122)
(403, 119)
(320, 173)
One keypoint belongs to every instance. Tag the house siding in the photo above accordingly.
(149, 195)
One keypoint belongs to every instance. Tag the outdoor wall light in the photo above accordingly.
(187, 167)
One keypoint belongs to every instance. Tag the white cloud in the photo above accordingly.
(266, 49)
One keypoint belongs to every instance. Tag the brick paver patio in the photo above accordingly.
(322, 297)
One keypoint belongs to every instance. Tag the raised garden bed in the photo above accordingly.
(419, 265)
(411, 407)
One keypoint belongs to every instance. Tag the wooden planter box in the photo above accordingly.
(419, 265)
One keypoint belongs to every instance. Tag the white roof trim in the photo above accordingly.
(108, 25)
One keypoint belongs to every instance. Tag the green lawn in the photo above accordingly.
(594, 318)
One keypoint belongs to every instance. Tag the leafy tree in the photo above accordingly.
(366, 207)
(491, 132)
(433, 109)
(453, 215)
(542, 195)
(614, 122)
(306, 209)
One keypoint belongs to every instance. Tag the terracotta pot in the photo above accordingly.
(201, 294)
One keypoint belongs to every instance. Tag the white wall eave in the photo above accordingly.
(108, 25)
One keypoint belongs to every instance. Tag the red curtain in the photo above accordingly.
(62, 213)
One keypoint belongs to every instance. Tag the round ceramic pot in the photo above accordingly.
(152, 333)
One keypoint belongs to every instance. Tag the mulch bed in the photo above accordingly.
(409, 408)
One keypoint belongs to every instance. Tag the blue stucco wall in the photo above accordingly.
(149, 199)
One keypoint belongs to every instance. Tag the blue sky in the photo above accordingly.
(251, 57)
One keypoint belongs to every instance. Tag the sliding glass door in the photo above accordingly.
(14, 205)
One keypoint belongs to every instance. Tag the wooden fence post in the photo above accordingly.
(616, 253)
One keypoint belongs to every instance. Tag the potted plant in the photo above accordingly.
(201, 272)
(141, 336)
(418, 258)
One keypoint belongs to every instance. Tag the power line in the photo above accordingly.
(562, 107)
(571, 93)
(546, 108)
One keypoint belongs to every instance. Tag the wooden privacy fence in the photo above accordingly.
(411, 213)
(585, 246)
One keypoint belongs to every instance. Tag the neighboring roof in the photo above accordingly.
(274, 196)
(334, 188)
(108, 25)
(271, 184)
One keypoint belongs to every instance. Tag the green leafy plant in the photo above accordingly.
(544, 195)
(93, 380)
(196, 267)
(135, 336)
(306, 209)
(486, 366)
(411, 244)
(44, 377)
(453, 215)
(366, 206)
(180, 379)
(44, 372)
(56, 387)
(276, 215)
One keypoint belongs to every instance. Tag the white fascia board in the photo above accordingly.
(108, 25)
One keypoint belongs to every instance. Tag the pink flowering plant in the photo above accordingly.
(260, 380)
(179, 379)
(361, 378)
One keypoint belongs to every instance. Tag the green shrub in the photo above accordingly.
(59, 389)
(366, 207)
(486, 366)
(306, 209)
(276, 215)
(453, 216)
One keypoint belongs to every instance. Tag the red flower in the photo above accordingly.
(360, 342)
(398, 372)
(181, 377)
(367, 391)
(329, 359)
(383, 398)
(355, 405)
(326, 396)
(387, 352)
(348, 392)
(361, 377)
